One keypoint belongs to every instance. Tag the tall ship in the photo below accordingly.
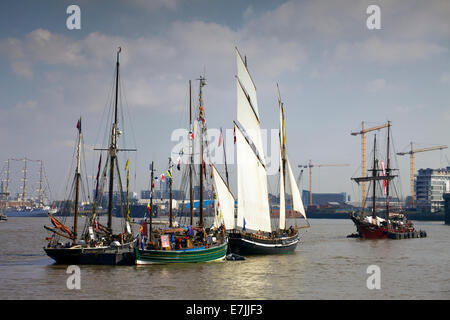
(96, 243)
(253, 232)
(190, 242)
(386, 222)
(26, 202)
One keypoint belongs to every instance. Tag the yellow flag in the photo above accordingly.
(128, 162)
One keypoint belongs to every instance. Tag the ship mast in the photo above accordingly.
(24, 180)
(170, 193)
(77, 184)
(201, 117)
(191, 148)
(388, 172)
(151, 202)
(113, 149)
(374, 174)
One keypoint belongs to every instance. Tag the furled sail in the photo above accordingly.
(253, 201)
(282, 133)
(282, 224)
(224, 201)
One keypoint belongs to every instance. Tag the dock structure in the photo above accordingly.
(446, 197)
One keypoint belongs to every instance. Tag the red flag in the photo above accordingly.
(162, 177)
(220, 138)
(384, 174)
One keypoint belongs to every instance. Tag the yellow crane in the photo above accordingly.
(363, 153)
(310, 166)
(412, 153)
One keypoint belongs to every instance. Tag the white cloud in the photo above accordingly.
(386, 52)
(445, 77)
(376, 85)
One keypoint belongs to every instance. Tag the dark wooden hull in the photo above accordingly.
(92, 256)
(244, 244)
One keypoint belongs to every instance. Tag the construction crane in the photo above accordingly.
(363, 153)
(310, 166)
(412, 153)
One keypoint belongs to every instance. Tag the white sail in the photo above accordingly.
(297, 202)
(247, 108)
(247, 81)
(253, 201)
(224, 201)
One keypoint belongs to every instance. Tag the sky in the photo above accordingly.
(333, 72)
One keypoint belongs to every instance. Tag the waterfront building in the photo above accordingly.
(430, 186)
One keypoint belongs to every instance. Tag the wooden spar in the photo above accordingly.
(170, 194)
(77, 185)
(191, 189)
(113, 148)
(374, 173)
(151, 203)
(388, 171)
(58, 233)
(202, 83)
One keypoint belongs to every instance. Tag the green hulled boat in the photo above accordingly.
(188, 243)
(201, 254)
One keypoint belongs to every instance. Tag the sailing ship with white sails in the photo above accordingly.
(253, 232)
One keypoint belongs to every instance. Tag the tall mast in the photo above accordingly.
(24, 180)
(374, 174)
(7, 182)
(40, 184)
(170, 193)
(202, 83)
(113, 148)
(191, 142)
(77, 184)
(283, 151)
(151, 202)
(388, 172)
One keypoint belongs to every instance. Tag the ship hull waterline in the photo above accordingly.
(92, 256)
(373, 232)
(246, 245)
(215, 253)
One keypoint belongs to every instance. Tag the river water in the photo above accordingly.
(326, 265)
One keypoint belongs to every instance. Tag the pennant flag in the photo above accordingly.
(79, 125)
(162, 177)
(234, 133)
(243, 228)
(128, 162)
(179, 164)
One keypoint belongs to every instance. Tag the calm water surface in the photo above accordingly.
(326, 265)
